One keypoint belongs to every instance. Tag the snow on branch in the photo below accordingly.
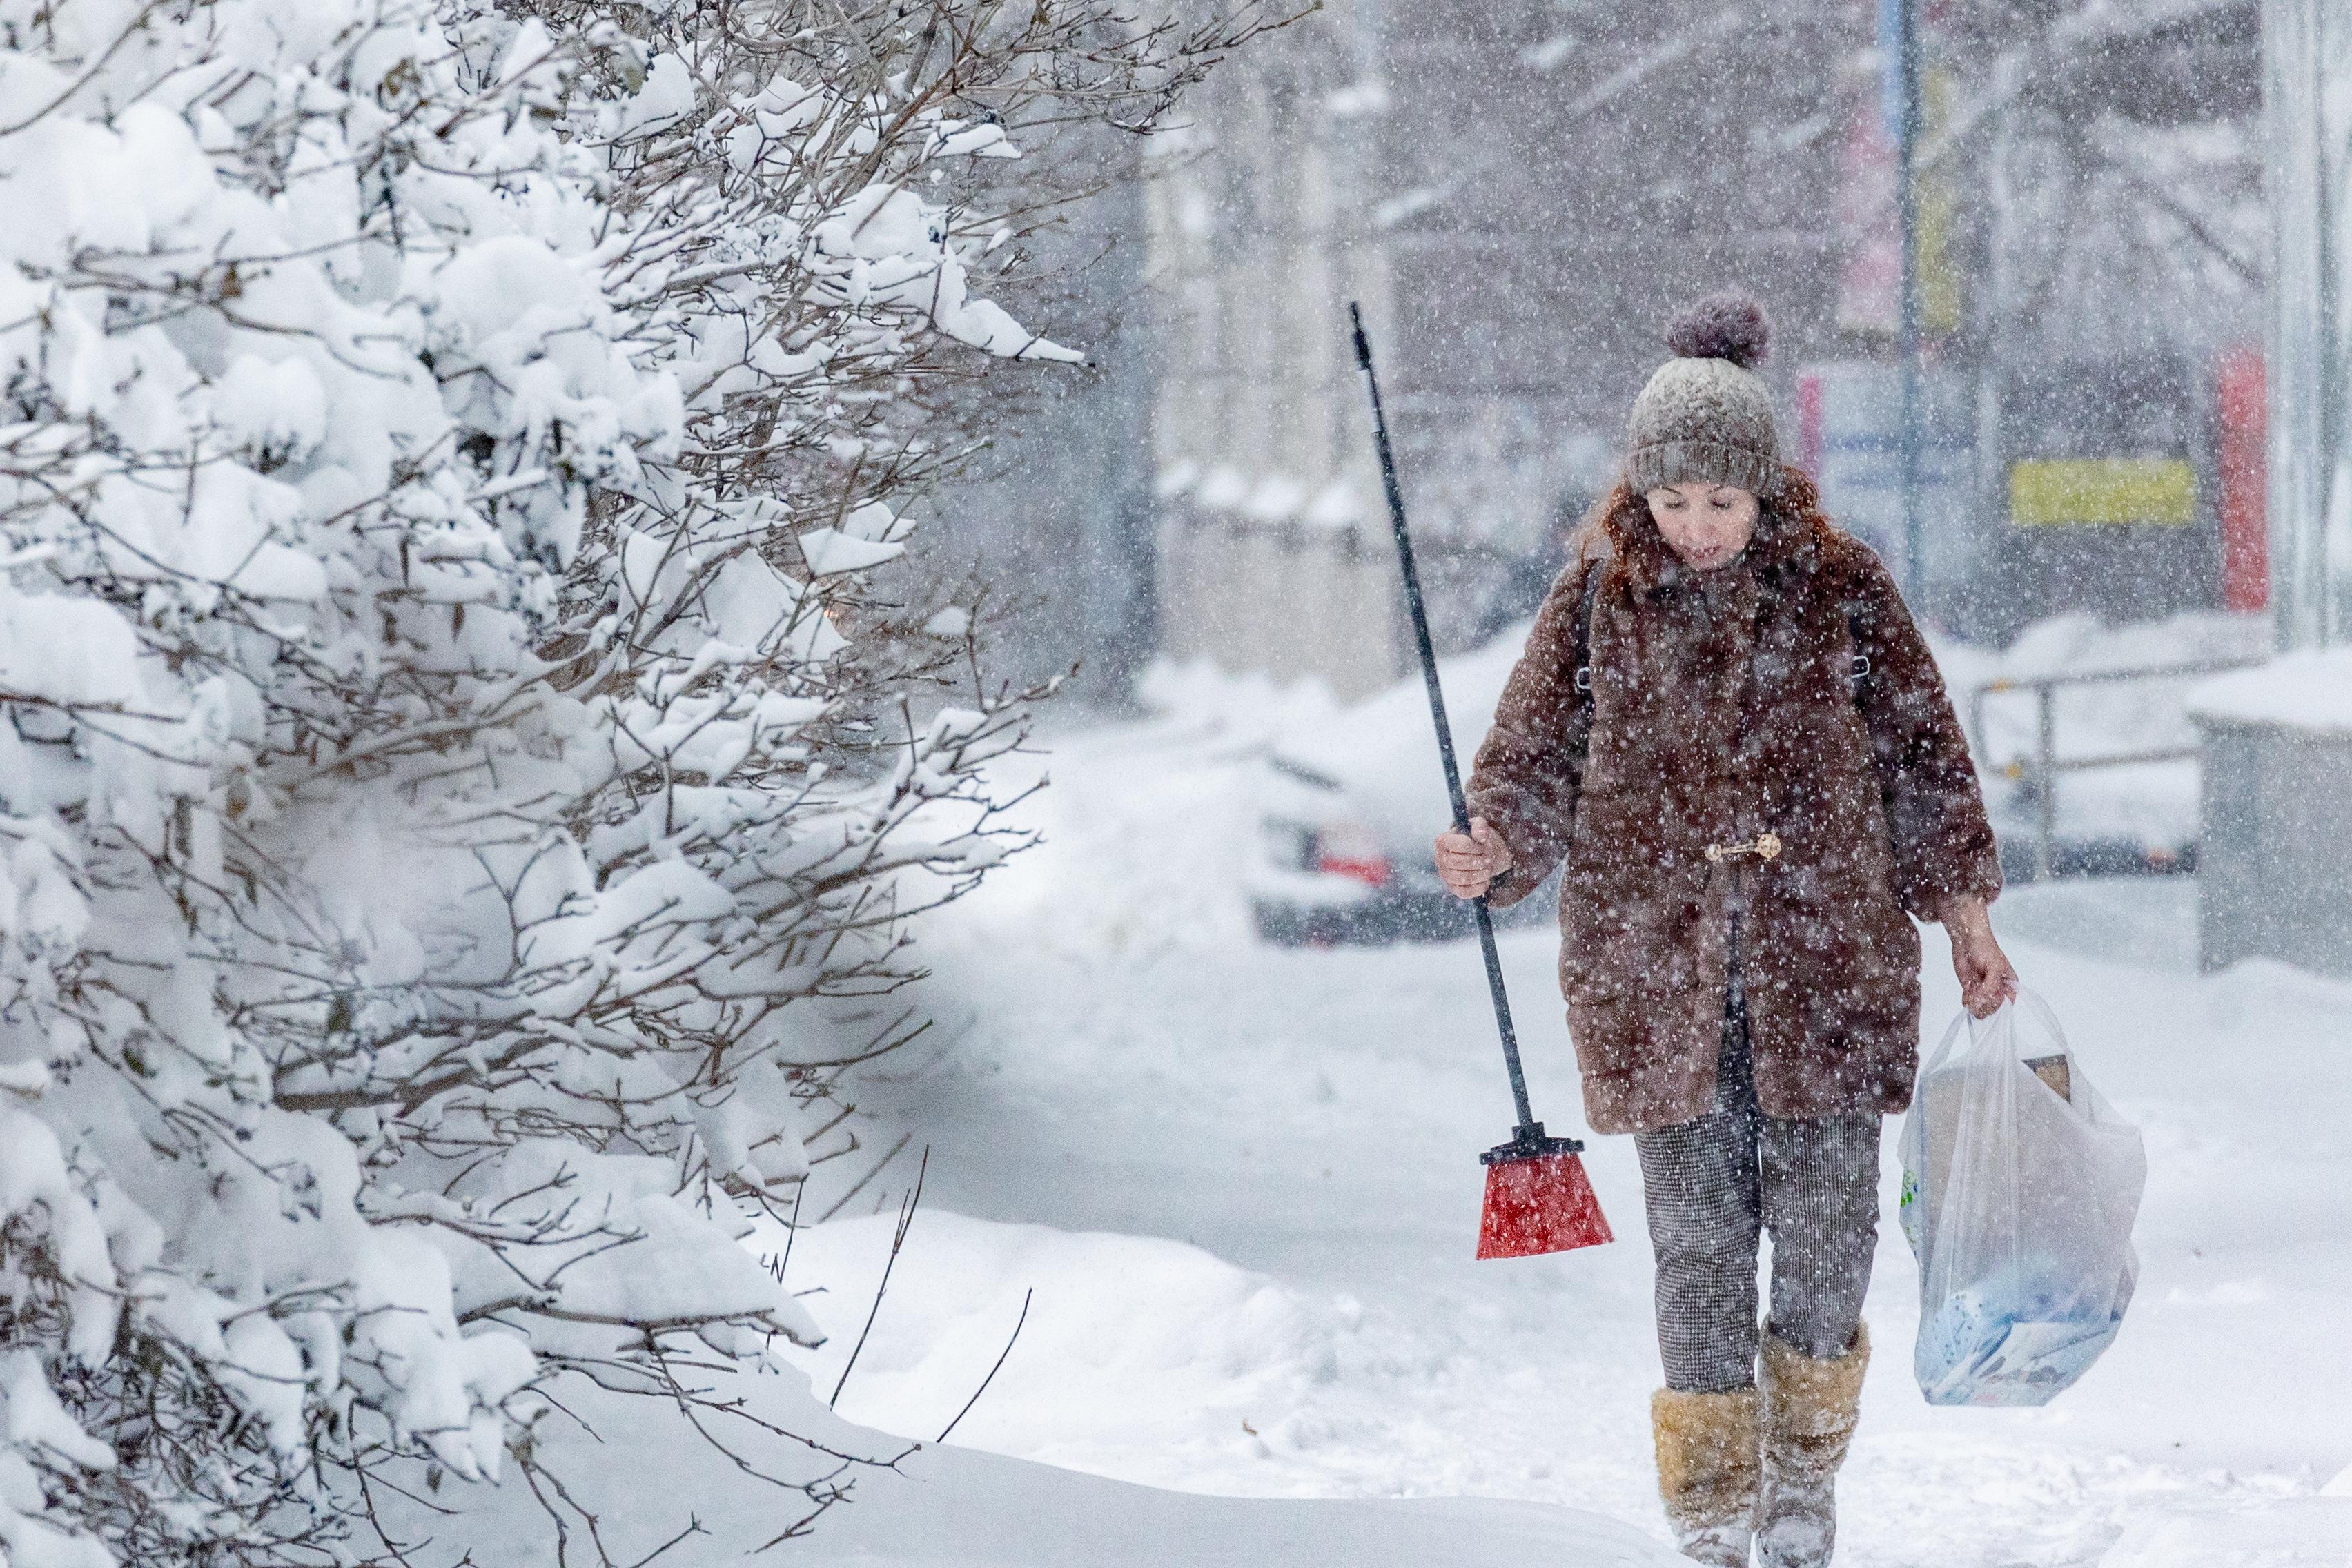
(454, 782)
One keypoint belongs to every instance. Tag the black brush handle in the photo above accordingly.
(1529, 1129)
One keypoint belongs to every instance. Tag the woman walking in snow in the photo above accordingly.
(1728, 726)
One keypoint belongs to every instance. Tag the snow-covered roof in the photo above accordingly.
(1276, 498)
(2307, 690)
(1476, 499)
(1223, 489)
(1273, 496)
(1336, 505)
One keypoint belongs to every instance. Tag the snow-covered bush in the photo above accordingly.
(453, 774)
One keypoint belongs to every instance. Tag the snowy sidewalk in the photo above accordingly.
(1259, 1171)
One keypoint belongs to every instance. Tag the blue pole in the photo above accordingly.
(1905, 47)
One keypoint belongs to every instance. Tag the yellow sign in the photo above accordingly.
(1939, 273)
(2102, 489)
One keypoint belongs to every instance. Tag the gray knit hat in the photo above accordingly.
(1705, 417)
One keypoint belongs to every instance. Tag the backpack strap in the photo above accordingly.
(1858, 671)
(1583, 629)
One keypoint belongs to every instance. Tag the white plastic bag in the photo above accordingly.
(2020, 1185)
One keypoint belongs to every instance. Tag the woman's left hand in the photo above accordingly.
(1987, 977)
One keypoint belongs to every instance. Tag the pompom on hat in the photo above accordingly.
(1705, 417)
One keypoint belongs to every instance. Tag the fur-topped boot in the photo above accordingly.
(1810, 1408)
(1707, 1470)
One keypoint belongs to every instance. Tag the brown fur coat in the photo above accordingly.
(1723, 705)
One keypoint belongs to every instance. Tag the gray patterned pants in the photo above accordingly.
(1710, 1186)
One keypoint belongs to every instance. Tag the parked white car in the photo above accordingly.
(1351, 801)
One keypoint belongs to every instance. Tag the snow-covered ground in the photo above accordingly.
(1238, 1187)
(658, 1499)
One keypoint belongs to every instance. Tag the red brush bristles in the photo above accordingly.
(1544, 1203)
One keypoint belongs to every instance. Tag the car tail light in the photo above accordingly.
(1374, 872)
(1352, 852)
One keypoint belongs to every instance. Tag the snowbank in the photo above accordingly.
(2151, 804)
(1126, 1342)
(2293, 1533)
(953, 1508)
(2307, 691)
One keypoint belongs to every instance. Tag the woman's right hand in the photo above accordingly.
(1467, 862)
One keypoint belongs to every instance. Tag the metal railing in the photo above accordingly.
(2047, 764)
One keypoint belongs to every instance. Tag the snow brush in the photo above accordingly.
(1538, 1198)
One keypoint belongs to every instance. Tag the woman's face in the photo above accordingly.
(1707, 525)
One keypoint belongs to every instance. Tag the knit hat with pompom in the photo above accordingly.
(1705, 417)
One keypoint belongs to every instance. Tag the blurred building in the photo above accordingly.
(2092, 268)
(1519, 192)
(2307, 50)
(2276, 879)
